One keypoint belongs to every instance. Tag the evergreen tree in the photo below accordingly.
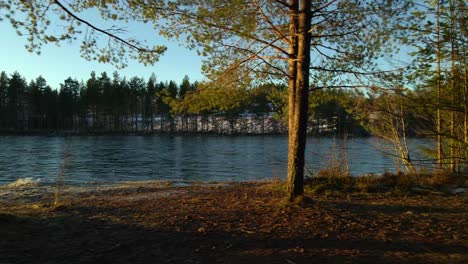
(243, 39)
(105, 100)
(161, 106)
(150, 101)
(92, 96)
(4, 81)
(115, 102)
(185, 87)
(36, 101)
(437, 34)
(172, 89)
(50, 99)
(68, 100)
(125, 102)
(16, 101)
(137, 89)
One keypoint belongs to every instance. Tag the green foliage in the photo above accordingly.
(69, 97)
(235, 35)
(36, 20)
(109, 102)
(4, 80)
(185, 87)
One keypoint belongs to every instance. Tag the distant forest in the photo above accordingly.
(115, 104)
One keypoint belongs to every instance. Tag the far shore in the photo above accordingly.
(62, 133)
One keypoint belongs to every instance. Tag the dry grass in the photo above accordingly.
(60, 180)
(388, 182)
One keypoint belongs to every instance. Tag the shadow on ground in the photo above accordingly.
(70, 239)
(234, 226)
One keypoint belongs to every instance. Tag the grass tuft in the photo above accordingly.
(60, 181)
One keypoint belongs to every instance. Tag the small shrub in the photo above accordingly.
(280, 187)
(276, 180)
(333, 171)
(396, 190)
(316, 189)
(440, 178)
(399, 179)
(276, 184)
(59, 181)
(362, 184)
(319, 185)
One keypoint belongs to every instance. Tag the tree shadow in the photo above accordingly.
(77, 235)
(392, 209)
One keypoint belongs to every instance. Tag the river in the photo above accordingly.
(109, 159)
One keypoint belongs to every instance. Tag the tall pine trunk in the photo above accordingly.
(299, 64)
(465, 111)
(439, 118)
(453, 137)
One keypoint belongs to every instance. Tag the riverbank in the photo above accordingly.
(159, 222)
(68, 133)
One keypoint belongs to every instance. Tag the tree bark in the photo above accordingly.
(298, 96)
(453, 137)
(439, 118)
(465, 113)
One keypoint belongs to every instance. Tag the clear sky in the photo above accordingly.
(56, 64)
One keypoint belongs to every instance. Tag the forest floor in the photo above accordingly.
(157, 222)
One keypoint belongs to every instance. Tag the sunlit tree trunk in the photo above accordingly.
(299, 64)
(465, 111)
(465, 105)
(453, 147)
(439, 119)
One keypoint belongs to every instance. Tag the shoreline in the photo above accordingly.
(53, 133)
(27, 191)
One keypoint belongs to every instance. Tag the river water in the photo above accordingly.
(108, 159)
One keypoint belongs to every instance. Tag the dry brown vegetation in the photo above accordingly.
(230, 223)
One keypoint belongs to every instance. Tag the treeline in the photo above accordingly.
(104, 104)
(101, 103)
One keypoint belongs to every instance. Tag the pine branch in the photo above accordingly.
(105, 32)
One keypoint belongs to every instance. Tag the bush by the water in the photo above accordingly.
(325, 183)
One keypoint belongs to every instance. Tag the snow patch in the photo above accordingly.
(24, 182)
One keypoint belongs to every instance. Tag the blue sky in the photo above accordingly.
(56, 64)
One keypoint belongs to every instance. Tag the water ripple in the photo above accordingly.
(116, 158)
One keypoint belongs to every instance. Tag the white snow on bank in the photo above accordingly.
(24, 182)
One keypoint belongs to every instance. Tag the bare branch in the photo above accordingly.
(323, 54)
(254, 55)
(324, 6)
(226, 28)
(283, 3)
(119, 39)
(329, 48)
(338, 87)
(269, 22)
(351, 71)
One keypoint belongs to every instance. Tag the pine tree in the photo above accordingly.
(243, 40)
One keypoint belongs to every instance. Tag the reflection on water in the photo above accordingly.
(191, 158)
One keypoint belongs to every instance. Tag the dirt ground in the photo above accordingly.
(151, 222)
